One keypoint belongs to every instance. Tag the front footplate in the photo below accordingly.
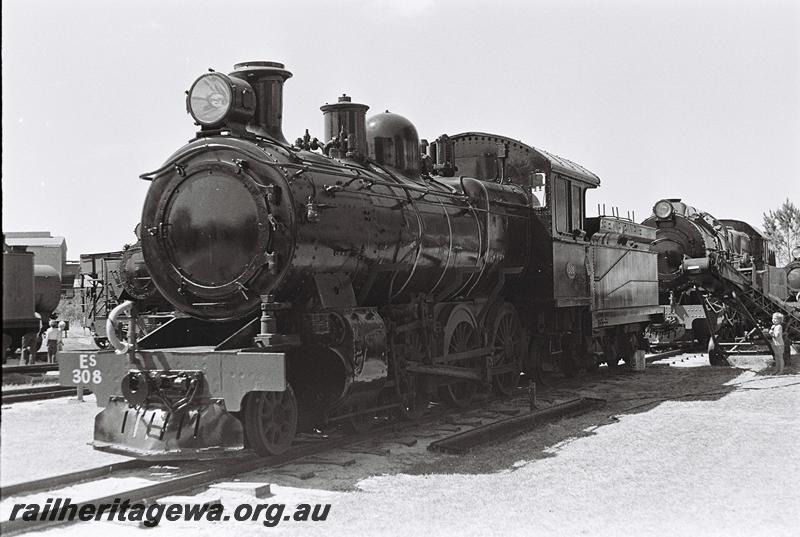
(203, 431)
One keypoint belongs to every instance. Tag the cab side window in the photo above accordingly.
(562, 205)
(576, 201)
(569, 205)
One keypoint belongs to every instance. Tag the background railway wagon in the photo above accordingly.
(107, 279)
(40, 258)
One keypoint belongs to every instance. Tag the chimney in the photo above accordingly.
(266, 79)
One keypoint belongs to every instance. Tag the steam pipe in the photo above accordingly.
(121, 347)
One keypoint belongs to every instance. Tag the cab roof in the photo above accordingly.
(539, 156)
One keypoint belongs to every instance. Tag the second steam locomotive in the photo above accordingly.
(329, 281)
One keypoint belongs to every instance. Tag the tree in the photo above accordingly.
(782, 227)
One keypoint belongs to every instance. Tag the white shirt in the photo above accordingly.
(776, 331)
(53, 334)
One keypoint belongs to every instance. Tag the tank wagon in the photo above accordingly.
(19, 319)
(327, 281)
(31, 293)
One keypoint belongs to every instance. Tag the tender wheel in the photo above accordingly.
(627, 349)
(611, 355)
(8, 347)
(270, 421)
(594, 365)
(508, 344)
(461, 335)
(569, 366)
(537, 350)
(570, 358)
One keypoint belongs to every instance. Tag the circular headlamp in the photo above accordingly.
(662, 209)
(215, 99)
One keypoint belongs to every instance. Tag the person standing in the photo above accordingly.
(28, 353)
(62, 327)
(53, 336)
(776, 338)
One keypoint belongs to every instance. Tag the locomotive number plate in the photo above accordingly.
(86, 373)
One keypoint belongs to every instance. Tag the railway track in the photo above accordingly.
(27, 369)
(195, 474)
(483, 419)
(498, 430)
(38, 393)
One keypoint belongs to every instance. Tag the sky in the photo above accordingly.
(698, 100)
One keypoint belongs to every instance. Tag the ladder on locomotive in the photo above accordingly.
(758, 304)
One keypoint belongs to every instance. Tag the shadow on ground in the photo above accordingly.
(686, 378)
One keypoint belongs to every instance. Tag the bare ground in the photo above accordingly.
(681, 449)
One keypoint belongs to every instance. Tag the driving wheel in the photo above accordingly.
(507, 344)
(461, 335)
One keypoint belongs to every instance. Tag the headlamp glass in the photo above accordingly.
(210, 99)
(663, 209)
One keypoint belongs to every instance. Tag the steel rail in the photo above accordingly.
(171, 487)
(34, 368)
(69, 479)
(495, 431)
(37, 393)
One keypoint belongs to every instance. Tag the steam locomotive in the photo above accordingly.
(110, 278)
(684, 232)
(327, 281)
(793, 275)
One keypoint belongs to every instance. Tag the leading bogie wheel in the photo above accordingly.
(507, 343)
(270, 421)
(627, 349)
